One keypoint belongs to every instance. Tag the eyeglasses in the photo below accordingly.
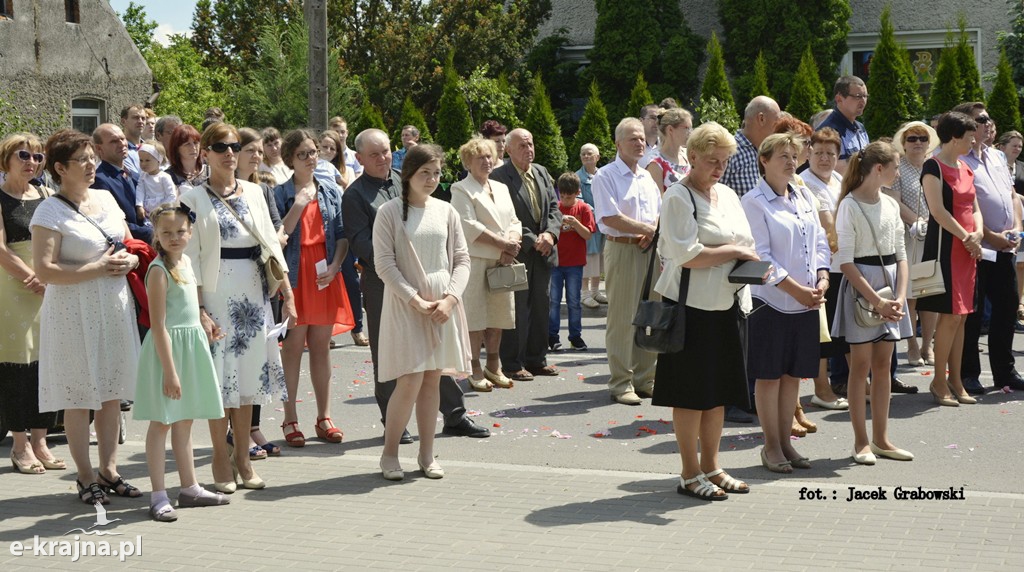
(917, 139)
(222, 147)
(303, 155)
(982, 119)
(25, 156)
(861, 96)
(83, 160)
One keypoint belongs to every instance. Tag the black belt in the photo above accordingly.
(250, 253)
(874, 261)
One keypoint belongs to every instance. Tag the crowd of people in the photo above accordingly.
(162, 264)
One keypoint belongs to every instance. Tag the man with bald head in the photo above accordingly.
(112, 149)
(759, 119)
(377, 185)
(626, 205)
(524, 350)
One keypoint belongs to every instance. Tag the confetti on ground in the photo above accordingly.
(600, 434)
(1006, 389)
(613, 422)
(558, 435)
(926, 373)
(474, 413)
(648, 430)
(545, 428)
(663, 422)
(639, 416)
(952, 446)
(497, 425)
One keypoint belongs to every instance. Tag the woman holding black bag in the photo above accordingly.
(704, 233)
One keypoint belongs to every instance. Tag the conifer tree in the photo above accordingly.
(947, 89)
(808, 94)
(411, 115)
(892, 85)
(547, 135)
(716, 84)
(971, 80)
(369, 118)
(638, 97)
(1003, 103)
(593, 127)
(760, 79)
(454, 126)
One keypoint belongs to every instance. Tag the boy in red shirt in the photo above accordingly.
(577, 226)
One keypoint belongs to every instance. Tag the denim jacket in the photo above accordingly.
(328, 196)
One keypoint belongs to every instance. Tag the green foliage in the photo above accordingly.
(369, 118)
(1003, 103)
(411, 115)
(782, 29)
(187, 85)
(276, 90)
(716, 84)
(593, 128)
(649, 36)
(14, 118)
(892, 85)
(720, 112)
(490, 98)
(139, 27)
(971, 80)
(547, 136)
(639, 96)
(759, 85)
(228, 33)
(1013, 41)
(947, 89)
(561, 76)
(808, 94)
(454, 125)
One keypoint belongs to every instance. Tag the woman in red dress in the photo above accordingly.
(949, 191)
(316, 247)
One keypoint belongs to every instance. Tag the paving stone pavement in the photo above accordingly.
(568, 481)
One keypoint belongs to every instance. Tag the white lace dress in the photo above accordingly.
(88, 338)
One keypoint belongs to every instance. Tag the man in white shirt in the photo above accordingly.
(627, 203)
(339, 124)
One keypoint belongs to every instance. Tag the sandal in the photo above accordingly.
(804, 422)
(498, 379)
(331, 434)
(480, 385)
(727, 483)
(705, 490)
(295, 438)
(256, 453)
(119, 487)
(271, 449)
(92, 494)
(33, 468)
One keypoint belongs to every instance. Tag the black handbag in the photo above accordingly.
(661, 325)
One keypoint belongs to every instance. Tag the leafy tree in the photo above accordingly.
(411, 115)
(808, 94)
(720, 112)
(760, 78)
(639, 96)
(716, 84)
(1003, 104)
(971, 89)
(892, 85)
(490, 98)
(369, 118)
(1013, 41)
(229, 32)
(547, 136)
(561, 77)
(139, 26)
(593, 127)
(947, 89)
(454, 125)
(188, 86)
(782, 29)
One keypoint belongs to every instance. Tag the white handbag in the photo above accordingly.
(926, 276)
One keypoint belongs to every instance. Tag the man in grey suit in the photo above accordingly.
(524, 350)
(377, 185)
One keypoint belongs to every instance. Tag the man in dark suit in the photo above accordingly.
(112, 148)
(377, 185)
(524, 350)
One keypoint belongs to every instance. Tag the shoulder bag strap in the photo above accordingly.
(874, 237)
(73, 207)
(227, 205)
(684, 272)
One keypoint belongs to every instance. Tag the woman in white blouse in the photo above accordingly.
(704, 233)
(784, 323)
(872, 256)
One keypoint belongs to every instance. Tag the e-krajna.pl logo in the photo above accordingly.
(76, 547)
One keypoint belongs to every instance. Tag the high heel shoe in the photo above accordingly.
(432, 471)
(295, 438)
(863, 458)
(965, 398)
(34, 468)
(498, 379)
(331, 433)
(480, 385)
(391, 474)
(944, 401)
(253, 482)
(784, 467)
(894, 454)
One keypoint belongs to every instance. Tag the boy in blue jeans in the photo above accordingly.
(577, 226)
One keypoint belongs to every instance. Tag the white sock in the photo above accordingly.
(158, 499)
(198, 492)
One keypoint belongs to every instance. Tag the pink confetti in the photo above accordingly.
(558, 435)
(952, 446)
(1006, 389)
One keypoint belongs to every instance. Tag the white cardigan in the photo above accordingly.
(204, 248)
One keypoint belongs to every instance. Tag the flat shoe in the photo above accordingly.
(628, 398)
(800, 463)
(706, 490)
(391, 474)
(784, 467)
(863, 458)
(432, 471)
(840, 404)
(894, 454)
(166, 514)
(186, 500)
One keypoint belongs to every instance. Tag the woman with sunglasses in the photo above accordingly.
(21, 295)
(87, 329)
(233, 296)
(315, 250)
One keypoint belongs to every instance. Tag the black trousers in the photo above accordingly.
(453, 404)
(527, 345)
(997, 281)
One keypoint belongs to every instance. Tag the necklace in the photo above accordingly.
(230, 194)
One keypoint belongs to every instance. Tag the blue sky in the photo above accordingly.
(172, 16)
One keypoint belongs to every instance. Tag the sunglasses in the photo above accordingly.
(221, 147)
(982, 119)
(917, 139)
(25, 156)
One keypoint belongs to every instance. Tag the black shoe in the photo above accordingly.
(972, 386)
(554, 345)
(466, 428)
(1014, 382)
(734, 414)
(406, 438)
(578, 344)
(898, 386)
(126, 405)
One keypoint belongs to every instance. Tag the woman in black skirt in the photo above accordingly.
(704, 233)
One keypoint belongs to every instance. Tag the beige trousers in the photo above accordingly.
(631, 368)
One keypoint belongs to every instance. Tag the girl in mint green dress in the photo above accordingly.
(176, 378)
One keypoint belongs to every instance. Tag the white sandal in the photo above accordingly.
(706, 491)
(729, 484)
(480, 385)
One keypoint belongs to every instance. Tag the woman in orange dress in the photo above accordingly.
(316, 247)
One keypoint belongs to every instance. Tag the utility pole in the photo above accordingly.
(316, 22)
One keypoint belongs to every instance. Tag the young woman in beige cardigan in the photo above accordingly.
(421, 256)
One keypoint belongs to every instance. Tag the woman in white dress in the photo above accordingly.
(89, 341)
(233, 297)
(421, 256)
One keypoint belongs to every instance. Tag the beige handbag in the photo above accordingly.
(926, 276)
(273, 269)
(510, 278)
